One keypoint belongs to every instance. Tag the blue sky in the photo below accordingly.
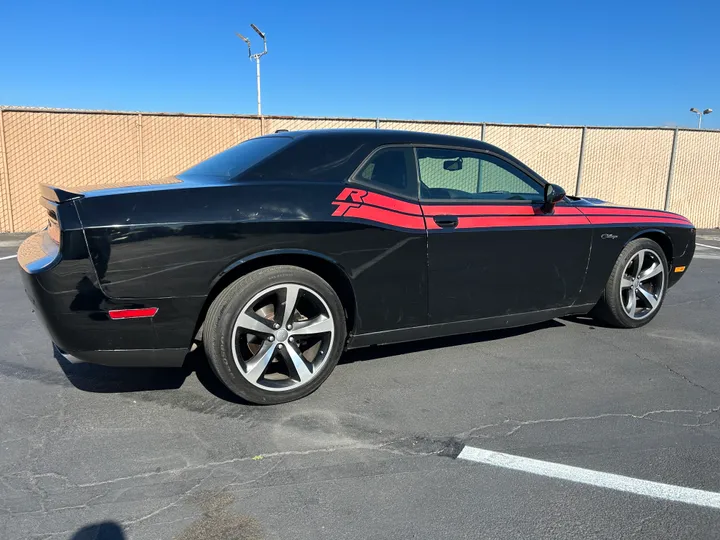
(632, 62)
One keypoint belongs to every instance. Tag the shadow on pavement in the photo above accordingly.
(587, 320)
(108, 530)
(106, 379)
(109, 379)
(384, 351)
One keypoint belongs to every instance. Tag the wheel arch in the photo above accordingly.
(325, 267)
(661, 237)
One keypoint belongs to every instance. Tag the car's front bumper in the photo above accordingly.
(681, 262)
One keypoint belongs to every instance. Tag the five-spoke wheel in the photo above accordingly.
(275, 334)
(636, 287)
(642, 284)
(281, 337)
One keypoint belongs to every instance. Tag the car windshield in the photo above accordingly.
(238, 159)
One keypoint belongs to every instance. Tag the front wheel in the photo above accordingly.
(636, 287)
(275, 335)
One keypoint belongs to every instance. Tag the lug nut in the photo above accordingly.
(280, 345)
(276, 326)
(291, 339)
(271, 338)
(289, 326)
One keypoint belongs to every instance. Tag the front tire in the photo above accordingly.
(636, 288)
(275, 335)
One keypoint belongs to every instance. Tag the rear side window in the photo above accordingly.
(390, 169)
(235, 160)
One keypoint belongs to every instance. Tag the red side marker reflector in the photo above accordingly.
(140, 313)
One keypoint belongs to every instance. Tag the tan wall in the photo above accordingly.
(552, 152)
(695, 191)
(623, 165)
(627, 166)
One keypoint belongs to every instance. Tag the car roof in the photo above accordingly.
(390, 136)
(374, 138)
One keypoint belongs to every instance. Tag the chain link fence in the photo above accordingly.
(660, 168)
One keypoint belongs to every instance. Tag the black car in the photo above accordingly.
(284, 251)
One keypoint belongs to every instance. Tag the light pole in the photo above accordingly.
(256, 56)
(700, 115)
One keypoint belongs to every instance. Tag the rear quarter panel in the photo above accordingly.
(175, 244)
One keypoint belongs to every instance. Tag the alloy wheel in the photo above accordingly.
(642, 284)
(282, 336)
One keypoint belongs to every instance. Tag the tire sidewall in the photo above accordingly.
(241, 292)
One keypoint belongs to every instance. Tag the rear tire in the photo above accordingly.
(636, 288)
(265, 353)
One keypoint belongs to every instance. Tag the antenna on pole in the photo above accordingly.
(256, 57)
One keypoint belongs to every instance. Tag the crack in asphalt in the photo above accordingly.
(519, 424)
(406, 446)
(652, 361)
(677, 373)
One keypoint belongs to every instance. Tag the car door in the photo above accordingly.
(386, 259)
(492, 250)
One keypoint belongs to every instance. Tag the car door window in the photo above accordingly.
(459, 174)
(390, 169)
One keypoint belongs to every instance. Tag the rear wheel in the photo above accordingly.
(636, 287)
(275, 335)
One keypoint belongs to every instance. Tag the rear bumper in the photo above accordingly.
(62, 286)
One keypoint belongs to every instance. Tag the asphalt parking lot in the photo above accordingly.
(95, 452)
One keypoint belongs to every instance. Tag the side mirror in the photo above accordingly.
(553, 195)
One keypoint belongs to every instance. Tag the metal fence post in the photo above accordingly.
(671, 170)
(3, 151)
(262, 125)
(580, 161)
(138, 123)
(377, 123)
(482, 131)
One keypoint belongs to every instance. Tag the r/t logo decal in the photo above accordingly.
(348, 198)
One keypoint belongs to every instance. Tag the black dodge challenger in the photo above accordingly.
(283, 251)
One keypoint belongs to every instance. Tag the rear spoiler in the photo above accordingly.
(58, 195)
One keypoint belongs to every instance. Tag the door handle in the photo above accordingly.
(446, 222)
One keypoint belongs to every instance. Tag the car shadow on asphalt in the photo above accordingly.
(587, 320)
(106, 379)
(377, 352)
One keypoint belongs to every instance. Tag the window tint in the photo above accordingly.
(239, 158)
(457, 174)
(390, 169)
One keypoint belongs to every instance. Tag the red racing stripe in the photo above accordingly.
(491, 210)
(392, 204)
(388, 217)
(630, 220)
(632, 212)
(397, 213)
(490, 222)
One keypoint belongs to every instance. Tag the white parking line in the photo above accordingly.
(6, 258)
(593, 478)
(705, 245)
